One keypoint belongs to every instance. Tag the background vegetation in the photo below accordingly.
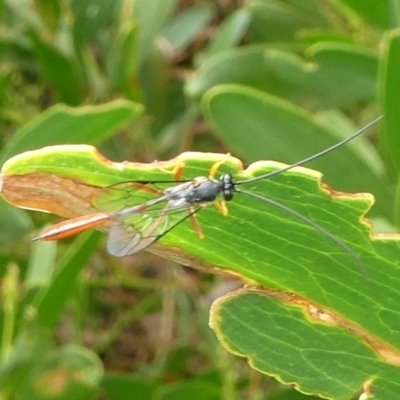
(141, 77)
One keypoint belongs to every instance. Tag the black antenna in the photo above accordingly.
(313, 157)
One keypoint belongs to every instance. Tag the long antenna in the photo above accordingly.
(313, 157)
(314, 225)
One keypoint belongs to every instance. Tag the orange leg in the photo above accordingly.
(196, 226)
(178, 171)
(221, 207)
(215, 167)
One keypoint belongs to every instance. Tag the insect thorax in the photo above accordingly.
(204, 190)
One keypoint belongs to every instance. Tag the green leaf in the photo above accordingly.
(49, 302)
(152, 15)
(62, 124)
(195, 389)
(191, 21)
(121, 387)
(24, 12)
(326, 73)
(244, 66)
(274, 331)
(41, 265)
(268, 247)
(288, 394)
(390, 102)
(60, 71)
(91, 17)
(32, 371)
(50, 13)
(122, 60)
(389, 98)
(374, 12)
(29, 350)
(14, 223)
(229, 34)
(277, 21)
(72, 372)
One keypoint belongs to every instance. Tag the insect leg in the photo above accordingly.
(178, 171)
(221, 207)
(196, 224)
(215, 167)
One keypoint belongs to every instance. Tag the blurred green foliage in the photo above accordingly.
(146, 80)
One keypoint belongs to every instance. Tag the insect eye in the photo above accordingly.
(228, 195)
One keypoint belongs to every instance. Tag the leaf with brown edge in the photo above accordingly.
(300, 343)
(269, 248)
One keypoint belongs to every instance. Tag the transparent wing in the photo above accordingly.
(142, 212)
(127, 194)
(129, 234)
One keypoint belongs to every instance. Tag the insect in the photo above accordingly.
(136, 227)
